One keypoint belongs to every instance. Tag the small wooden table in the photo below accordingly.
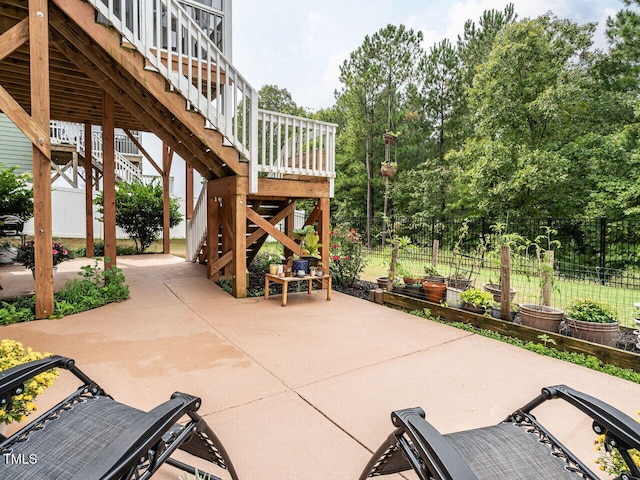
(284, 281)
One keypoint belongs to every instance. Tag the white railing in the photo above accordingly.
(147, 179)
(197, 226)
(296, 146)
(174, 45)
(66, 133)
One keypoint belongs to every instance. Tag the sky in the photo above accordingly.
(300, 44)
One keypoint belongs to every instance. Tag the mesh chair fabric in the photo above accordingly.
(70, 441)
(507, 452)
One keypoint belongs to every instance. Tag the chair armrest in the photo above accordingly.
(606, 419)
(431, 445)
(125, 451)
(13, 379)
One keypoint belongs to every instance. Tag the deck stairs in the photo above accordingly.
(68, 150)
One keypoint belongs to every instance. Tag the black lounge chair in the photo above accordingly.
(90, 436)
(519, 448)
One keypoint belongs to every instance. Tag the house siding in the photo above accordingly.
(15, 148)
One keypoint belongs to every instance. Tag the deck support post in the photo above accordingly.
(109, 181)
(239, 242)
(88, 191)
(213, 229)
(324, 229)
(167, 159)
(40, 115)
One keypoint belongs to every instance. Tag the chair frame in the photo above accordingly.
(141, 448)
(416, 444)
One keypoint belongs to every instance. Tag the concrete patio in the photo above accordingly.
(305, 391)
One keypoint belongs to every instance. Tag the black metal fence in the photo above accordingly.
(594, 243)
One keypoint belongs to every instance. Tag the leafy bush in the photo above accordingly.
(98, 250)
(16, 196)
(478, 298)
(592, 311)
(347, 261)
(95, 289)
(12, 354)
(139, 211)
(26, 254)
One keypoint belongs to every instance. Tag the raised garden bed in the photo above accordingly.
(621, 358)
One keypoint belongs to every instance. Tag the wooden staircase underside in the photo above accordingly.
(86, 60)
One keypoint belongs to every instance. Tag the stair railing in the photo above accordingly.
(174, 45)
(67, 133)
(197, 226)
(296, 146)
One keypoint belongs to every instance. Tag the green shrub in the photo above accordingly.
(139, 211)
(592, 311)
(16, 195)
(347, 261)
(93, 290)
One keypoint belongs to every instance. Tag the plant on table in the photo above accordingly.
(12, 354)
(309, 241)
(347, 260)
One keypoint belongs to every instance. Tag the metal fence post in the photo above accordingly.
(603, 243)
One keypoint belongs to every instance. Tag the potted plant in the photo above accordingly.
(12, 354)
(476, 300)
(26, 255)
(309, 247)
(593, 321)
(434, 291)
(312, 271)
(495, 289)
(432, 275)
(389, 169)
(542, 316)
(320, 269)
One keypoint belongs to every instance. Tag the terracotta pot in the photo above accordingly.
(496, 291)
(434, 292)
(602, 333)
(383, 282)
(541, 317)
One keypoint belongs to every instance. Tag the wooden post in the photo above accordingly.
(505, 282)
(213, 227)
(88, 191)
(40, 114)
(289, 225)
(189, 191)
(547, 278)
(324, 225)
(109, 181)
(239, 225)
(167, 158)
(434, 254)
(394, 262)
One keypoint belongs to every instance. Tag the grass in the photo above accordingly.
(178, 245)
(528, 291)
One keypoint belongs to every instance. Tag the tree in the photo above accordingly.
(139, 211)
(374, 80)
(279, 100)
(531, 100)
(16, 195)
